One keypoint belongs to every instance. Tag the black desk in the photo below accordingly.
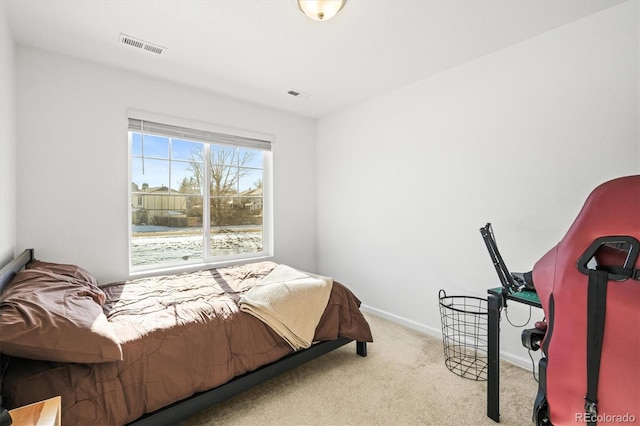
(493, 341)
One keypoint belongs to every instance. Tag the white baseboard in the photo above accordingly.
(437, 332)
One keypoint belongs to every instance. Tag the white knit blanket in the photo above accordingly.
(291, 302)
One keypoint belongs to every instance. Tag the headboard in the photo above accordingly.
(9, 271)
(6, 275)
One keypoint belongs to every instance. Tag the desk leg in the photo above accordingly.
(493, 357)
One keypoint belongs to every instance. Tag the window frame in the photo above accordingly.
(267, 196)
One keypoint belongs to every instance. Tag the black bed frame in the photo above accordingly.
(188, 407)
(9, 271)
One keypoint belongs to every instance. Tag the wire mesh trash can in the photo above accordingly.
(464, 335)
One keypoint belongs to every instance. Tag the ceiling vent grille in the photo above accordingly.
(298, 94)
(141, 44)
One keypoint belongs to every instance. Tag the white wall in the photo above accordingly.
(8, 143)
(517, 138)
(73, 156)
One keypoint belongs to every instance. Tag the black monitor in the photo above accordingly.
(511, 282)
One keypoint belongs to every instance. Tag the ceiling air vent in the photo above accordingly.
(299, 94)
(141, 44)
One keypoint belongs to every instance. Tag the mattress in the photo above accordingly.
(180, 334)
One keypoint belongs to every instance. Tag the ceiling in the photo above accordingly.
(258, 50)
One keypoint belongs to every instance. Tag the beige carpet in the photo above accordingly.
(402, 381)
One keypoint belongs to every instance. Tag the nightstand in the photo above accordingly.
(43, 413)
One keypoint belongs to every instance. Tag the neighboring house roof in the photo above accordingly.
(257, 192)
(157, 189)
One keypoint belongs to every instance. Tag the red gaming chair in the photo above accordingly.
(589, 287)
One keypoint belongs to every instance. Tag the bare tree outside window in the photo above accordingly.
(227, 166)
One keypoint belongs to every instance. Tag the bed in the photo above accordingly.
(153, 350)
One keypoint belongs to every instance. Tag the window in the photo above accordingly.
(196, 196)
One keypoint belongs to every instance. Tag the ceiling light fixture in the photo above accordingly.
(321, 10)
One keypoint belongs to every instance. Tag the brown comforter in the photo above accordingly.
(180, 335)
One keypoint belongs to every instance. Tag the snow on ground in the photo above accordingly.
(152, 244)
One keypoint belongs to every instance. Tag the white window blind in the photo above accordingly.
(160, 129)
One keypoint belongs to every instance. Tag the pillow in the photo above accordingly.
(53, 317)
(63, 269)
